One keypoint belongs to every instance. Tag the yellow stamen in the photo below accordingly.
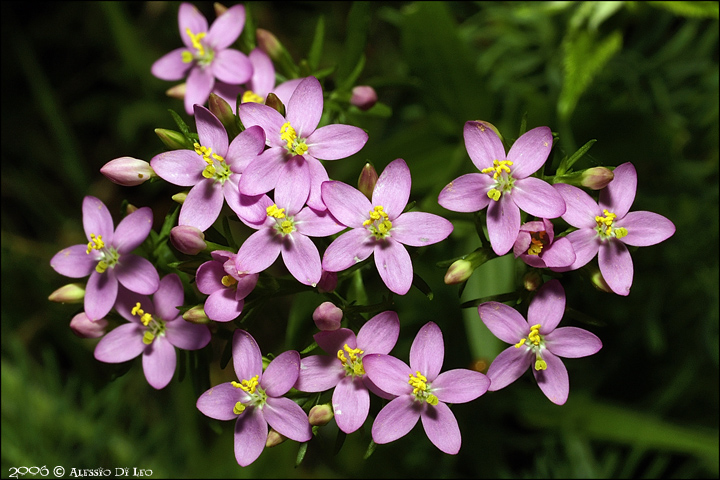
(520, 343)
(432, 399)
(620, 232)
(274, 211)
(95, 243)
(494, 194)
(238, 408)
(498, 167)
(604, 225)
(538, 240)
(228, 281)
(378, 222)
(187, 56)
(250, 96)
(287, 226)
(418, 382)
(534, 335)
(288, 135)
(195, 39)
(101, 266)
(137, 310)
(247, 385)
(540, 364)
(354, 362)
(148, 337)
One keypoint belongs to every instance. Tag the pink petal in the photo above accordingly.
(319, 373)
(530, 151)
(250, 435)
(190, 17)
(218, 402)
(503, 321)
(482, 144)
(132, 230)
(248, 209)
(418, 229)
(333, 341)
(388, 373)
(302, 259)
(392, 189)
(74, 262)
(170, 66)
(281, 374)
(538, 198)
(285, 90)
(394, 265)
(120, 344)
(351, 404)
(226, 28)
(645, 228)
(460, 385)
(572, 342)
(585, 244)
(305, 107)
(179, 167)
(317, 224)
(262, 174)
(211, 132)
(547, 307)
(427, 351)
(245, 148)
(616, 266)
(395, 420)
(202, 205)
(293, 185)
(222, 306)
(318, 175)
(159, 360)
(558, 254)
(553, 381)
(442, 428)
(268, 118)
(198, 86)
(263, 78)
(619, 195)
(503, 223)
(100, 294)
(168, 296)
(333, 142)
(380, 333)
(288, 419)
(137, 274)
(348, 249)
(97, 219)
(581, 209)
(467, 193)
(346, 203)
(231, 66)
(259, 251)
(247, 359)
(186, 335)
(508, 366)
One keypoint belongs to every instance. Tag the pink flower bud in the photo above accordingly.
(368, 179)
(461, 269)
(320, 415)
(328, 282)
(83, 327)
(70, 293)
(177, 92)
(363, 97)
(327, 317)
(596, 178)
(127, 171)
(188, 239)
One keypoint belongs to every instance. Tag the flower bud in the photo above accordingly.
(461, 269)
(274, 438)
(273, 101)
(597, 279)
(173, 140)
(327, 317)
(532, 280)
(196, 315)
(127, 171)
(596, 178)
(320, 415)
(328, 282)
(130, 209)
(188, 239)
(219, 9)
(269, 43)
(177, 92)
(363, 97)
(83, 327)
(224, 112)
(368, 179)
(70, 293)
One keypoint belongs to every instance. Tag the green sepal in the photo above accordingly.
(371, 448)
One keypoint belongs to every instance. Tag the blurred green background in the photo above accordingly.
(640, 77)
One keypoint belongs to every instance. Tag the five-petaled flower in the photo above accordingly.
(422, 391)
(536, 343)
(257, 399)
(213, 169)
(504, 184)
(344, 369)
(606, 227)
(206, 56)
(226, 288)
(156, 327)
(107, 258)
(296, 145)
(380, 226)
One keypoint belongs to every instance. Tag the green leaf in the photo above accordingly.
(358, 25)
(567, 163)
(301, 454)
(317, 44)
(371, 448)
(690, 9)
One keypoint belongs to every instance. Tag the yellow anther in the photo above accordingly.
(250, 96)
(208, 156)
(187, 56)
(209, 171)
(274, 211)
(228, 281)
(238, 408)
(101, 266)
(498, 167)
(247, 385)
(195, 39)
(137, 310)
(604, 225)
(432, 399)
(287, 226)
(148, 337)
(289, 136)
(358, 368)
(520, 343)
(379, 222)
(146, 319)
(620, 232)
(341, 357)
(540, 364)
(537, 241)
(494, 194)
(418, 382)
(301, 148)
(95, 243)
(534, 335)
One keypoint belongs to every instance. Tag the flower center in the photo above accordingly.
(421, 389)
(216, 168)
(378, 223)
(283, 224)
(250, 96)
(202, 53)
(605, 226)
(537, 241)
(353, 365)
(155, 326)
(501, 173)
(108, 255)
(294, 145)
(256, 395)
(535, 342)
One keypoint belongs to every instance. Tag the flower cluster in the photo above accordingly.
(264, 160)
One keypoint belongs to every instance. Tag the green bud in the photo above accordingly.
(595, 178)
(320, 415)
(368, 179)
(273, 101)
(196, 315)
(177, 92)
(180, 197)
(224, 112)
(70, 293)
(173, 140)
(461, 269)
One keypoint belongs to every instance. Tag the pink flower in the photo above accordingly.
(422, 391)
(536, 342)
(380, 226)
(227, 289)
(606, 227)
(155, 329)
(213, 170)
(344, 371)
(504, 184)
(537, 246)
(257, 400)
(107, 258)
(296, 144)
(206, 56)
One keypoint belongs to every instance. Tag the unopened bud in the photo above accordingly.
(130, 209)
(328, 282)
(320, 415)
(273, 101)
(364, 97)
(219, 9)
(367, 180)
(180, 197)
(70, 293)
(83, 327)
(327, 317)
(532, 281)
(196, 315)
(597, 279)
(224, 112)
(173, 140)
(177, 92)
(188, 239)
(128, 171)
(274, 438)
(596, 178)
(461, 269)
(269, 43)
